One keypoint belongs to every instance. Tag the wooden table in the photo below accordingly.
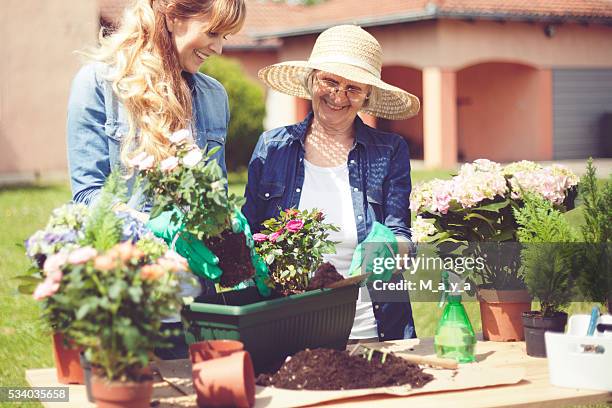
(533, 391)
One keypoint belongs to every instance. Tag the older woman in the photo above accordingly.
(358, 176)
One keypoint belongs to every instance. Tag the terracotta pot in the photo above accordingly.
(67, 362)
(121, 394)
(500, 313)
(209, 349)
(535, 327)
(225, 381)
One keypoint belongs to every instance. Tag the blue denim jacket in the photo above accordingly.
(379, 175)
(97, 122)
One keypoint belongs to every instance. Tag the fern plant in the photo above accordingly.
(103, 228)
(547, 256)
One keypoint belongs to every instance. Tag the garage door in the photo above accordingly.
(582, 113)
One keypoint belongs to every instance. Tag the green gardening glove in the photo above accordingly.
(241, 225)
(380, 243)
(201, 260)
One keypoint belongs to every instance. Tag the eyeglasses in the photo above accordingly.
(354, 95)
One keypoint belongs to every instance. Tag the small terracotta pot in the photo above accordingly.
(225, 381)
(209, 349)
(121, 394)
(501, 313)
(67, 362)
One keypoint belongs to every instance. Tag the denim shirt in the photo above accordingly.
(379, 176)
(97, 122)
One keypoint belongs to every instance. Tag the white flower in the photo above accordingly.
(180, 136)
(217, 185)
(192, 158)
(421, 229)
(146, 163)
(135, 161)
(169, 164)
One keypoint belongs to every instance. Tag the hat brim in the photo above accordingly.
(388, 101)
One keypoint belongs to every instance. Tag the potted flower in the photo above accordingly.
(471, 215)
(295, 317)
(547, 261)
(101, 269)
(292, 246)
(119, 281)
(192, 187)
(592, 266)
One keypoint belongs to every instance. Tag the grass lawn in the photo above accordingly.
(25, 341)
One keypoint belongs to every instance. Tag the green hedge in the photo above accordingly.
(247, 109)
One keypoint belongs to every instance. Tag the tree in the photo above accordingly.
(247, 109)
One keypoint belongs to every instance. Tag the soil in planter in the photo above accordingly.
(328, 369)
(234, 257)
(324, 275)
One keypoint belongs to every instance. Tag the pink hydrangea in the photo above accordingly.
(294, 225)
(260, 237)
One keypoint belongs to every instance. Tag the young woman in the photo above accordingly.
(143, 84)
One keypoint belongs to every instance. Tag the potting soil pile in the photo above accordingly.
(234, 257)
(324, 275)
(327, 369)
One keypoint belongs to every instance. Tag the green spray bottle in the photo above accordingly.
(455, 336)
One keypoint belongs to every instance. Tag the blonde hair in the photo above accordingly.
(145, 71)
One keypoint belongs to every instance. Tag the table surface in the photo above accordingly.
(533, 391)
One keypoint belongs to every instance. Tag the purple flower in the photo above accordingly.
(132, 228)
(260, 237)
(294, 225)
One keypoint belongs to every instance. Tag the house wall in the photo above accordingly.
(253, 61)
(38, 40)
(502, 113)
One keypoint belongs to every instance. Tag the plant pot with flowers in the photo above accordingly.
(547, 261)
(120, 292)
(193, 212)
(107, 284)
(471, 215)
(299, 314)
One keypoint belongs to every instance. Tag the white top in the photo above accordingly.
(328, 189)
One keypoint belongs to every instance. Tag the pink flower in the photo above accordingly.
(192, 158)
(169, 164)
(173, 262)
(260, 237)
(104, 263)
(45, 289)
(81, 255)
(294, 225)
(53, 266)
(291, 212)
(274, 236)
(180, 136)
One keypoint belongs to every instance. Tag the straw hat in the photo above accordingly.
(352, 53)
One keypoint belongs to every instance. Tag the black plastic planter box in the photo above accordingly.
(274, 329)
